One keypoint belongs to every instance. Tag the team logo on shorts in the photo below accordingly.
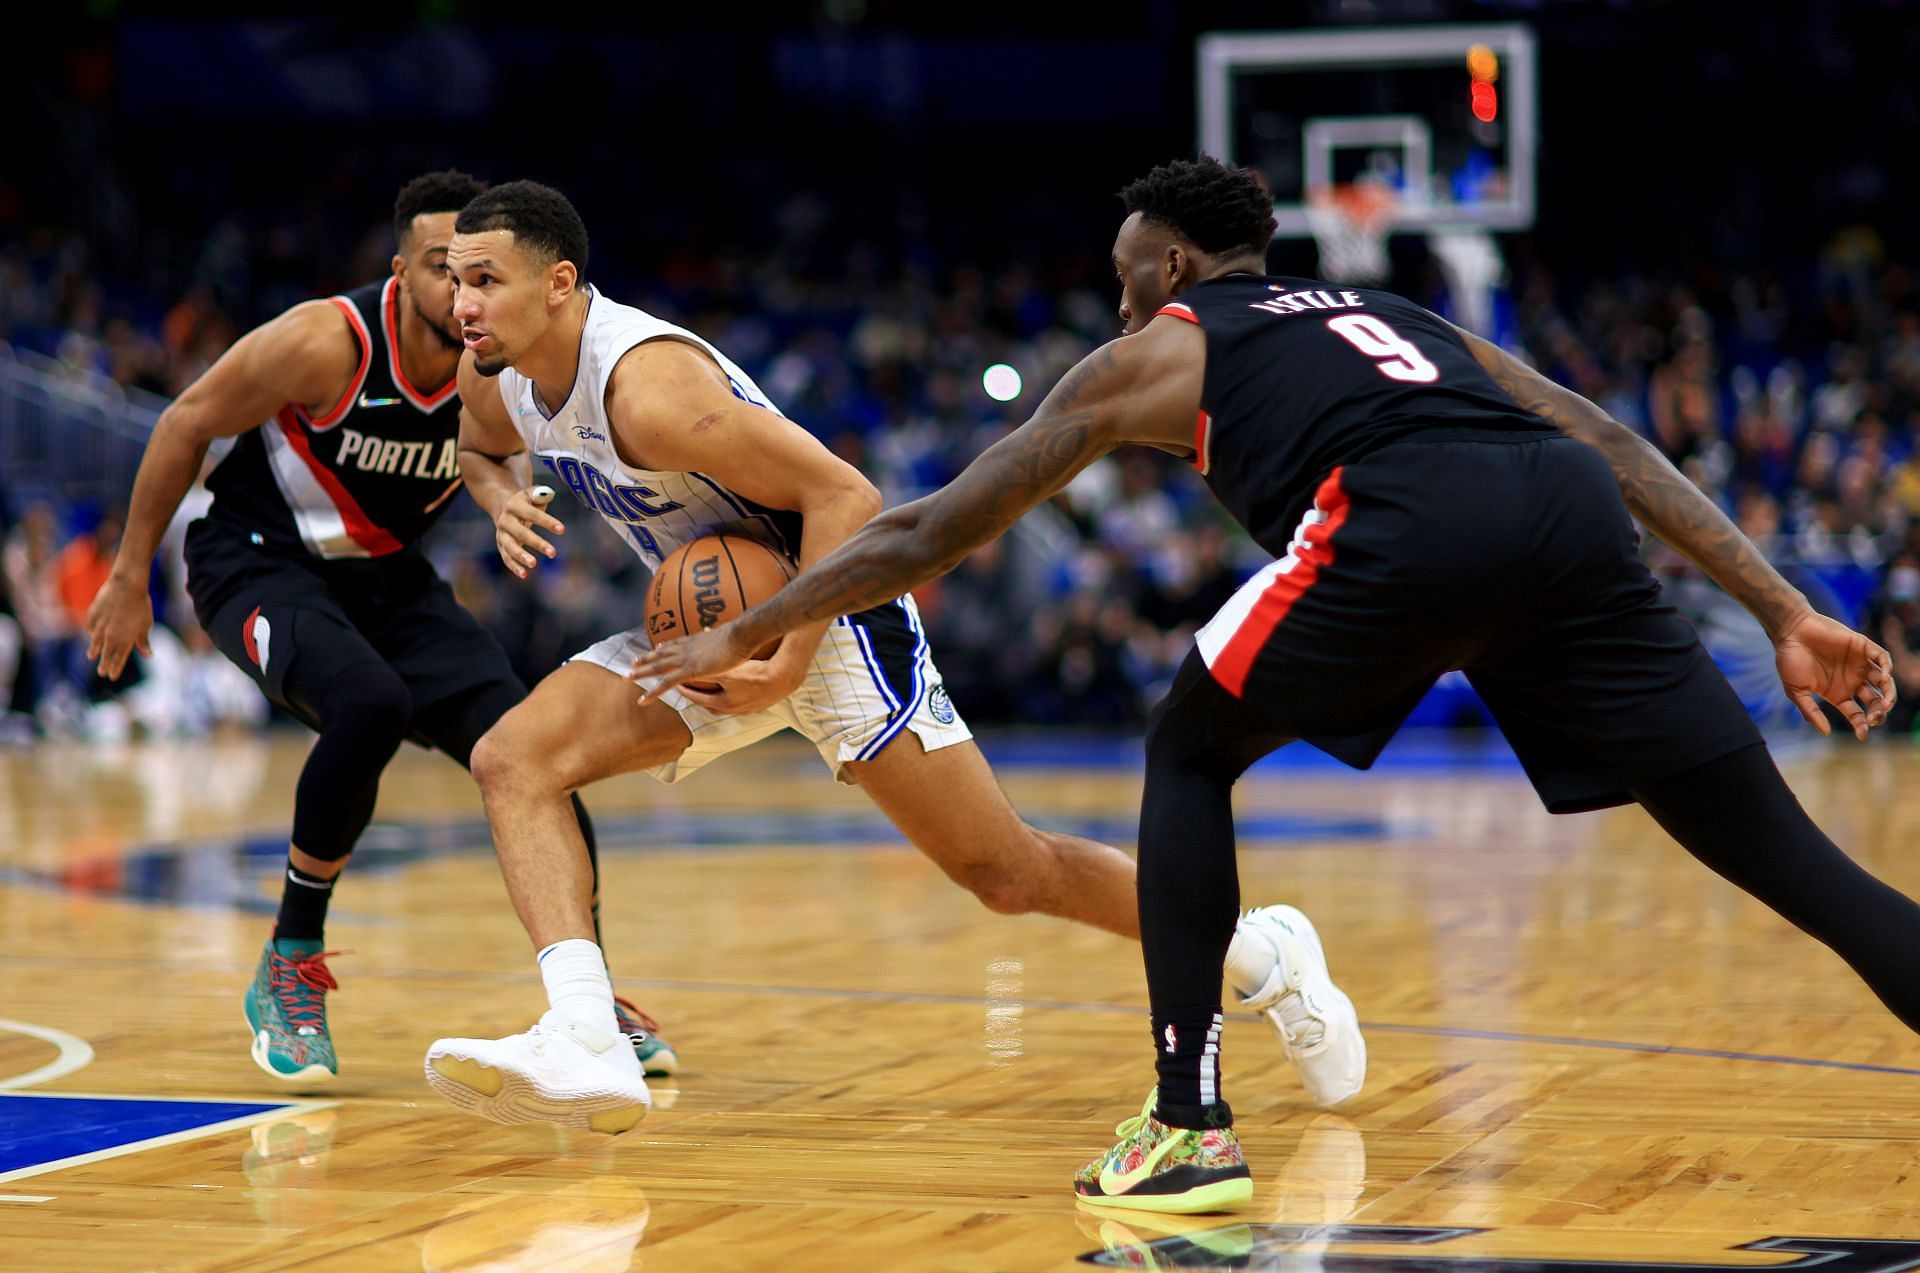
(257, 636)
(940, 705)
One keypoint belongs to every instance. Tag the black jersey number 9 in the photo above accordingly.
(1393, 355)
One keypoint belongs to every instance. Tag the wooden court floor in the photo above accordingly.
(1585, 1048)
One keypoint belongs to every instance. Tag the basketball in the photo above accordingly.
(710, 581)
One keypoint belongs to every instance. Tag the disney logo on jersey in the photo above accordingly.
(587, 433)
(437, 460)
(621, 502)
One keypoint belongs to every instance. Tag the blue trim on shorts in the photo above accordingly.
(899, 719)
(865, 641)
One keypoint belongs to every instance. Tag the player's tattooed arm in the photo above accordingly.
(908, 545)
(1817, 657)
(1658, 494)
(913, 543)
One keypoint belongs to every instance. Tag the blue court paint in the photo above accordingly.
(235, 874)
(1412, 750)
(36, 1130)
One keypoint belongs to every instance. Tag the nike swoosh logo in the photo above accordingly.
(1114, 1182)
(365, 401)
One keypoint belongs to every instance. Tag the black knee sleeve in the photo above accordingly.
(363, 711)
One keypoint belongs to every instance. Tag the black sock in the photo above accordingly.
(1186, 1048)
(303, 906)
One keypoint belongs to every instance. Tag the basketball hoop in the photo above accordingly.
(1350, 224)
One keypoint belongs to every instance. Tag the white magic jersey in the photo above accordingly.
(654, 512)
(873, 677)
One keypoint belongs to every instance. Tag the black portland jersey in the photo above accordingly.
(1303, 376)
(364, 479)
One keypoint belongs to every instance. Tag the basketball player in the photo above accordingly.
(1432, 504)
(668, 440)
(307, 573)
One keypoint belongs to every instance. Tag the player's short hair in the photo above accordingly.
(539, 217)
(1214, 207)
(443, 191)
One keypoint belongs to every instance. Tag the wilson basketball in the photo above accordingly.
(710, 581)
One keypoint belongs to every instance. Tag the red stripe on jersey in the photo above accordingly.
(332, 416)
(390, 324)
(1175, 309)
(377, 541)
(1203, 443)
(1311, 551)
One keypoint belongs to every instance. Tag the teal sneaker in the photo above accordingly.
(657, 1057)
(287, 1012)
(1169, 1169)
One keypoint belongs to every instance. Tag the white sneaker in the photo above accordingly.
(560, 1071)
(1278, 968)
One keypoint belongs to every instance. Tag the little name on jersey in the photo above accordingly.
(1297, 302)
(407, 459)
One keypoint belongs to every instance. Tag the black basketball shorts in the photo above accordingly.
(294, 624)
(1513, 560)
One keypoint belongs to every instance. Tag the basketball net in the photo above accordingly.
(1474, 268)
(1350, 224)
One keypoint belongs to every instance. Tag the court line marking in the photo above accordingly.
(26, 1197)
(283, 1109)
(1445, 1032)
(75, 1054)
(1069, 1005)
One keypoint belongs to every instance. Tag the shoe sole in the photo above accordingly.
(1221, 1195)
(307, 1076)
(662, 1064)
(506, 1096)
(1324, 988)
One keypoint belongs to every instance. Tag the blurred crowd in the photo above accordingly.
(1794, 401)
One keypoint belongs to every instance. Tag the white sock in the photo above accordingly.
(575, 973)
(1250, 962)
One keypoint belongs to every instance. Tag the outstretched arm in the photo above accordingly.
(908, 545)
(1113, 396)
(1816, 656)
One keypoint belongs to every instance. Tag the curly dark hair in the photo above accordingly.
(444, 191)
(1216, 208)
(539, 217)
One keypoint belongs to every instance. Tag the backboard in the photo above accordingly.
(1444, 116)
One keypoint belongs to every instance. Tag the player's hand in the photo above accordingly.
(514, 534)
(752, 687)
(1818, 656)
(703, 657)
(118, 623)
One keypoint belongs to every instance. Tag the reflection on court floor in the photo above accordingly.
(1584, 1047)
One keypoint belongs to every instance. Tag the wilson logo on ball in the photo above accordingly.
(708, 604)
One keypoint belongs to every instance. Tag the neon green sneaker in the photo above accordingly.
(1170, 1169)
(287, 1012)
(657, 1057)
